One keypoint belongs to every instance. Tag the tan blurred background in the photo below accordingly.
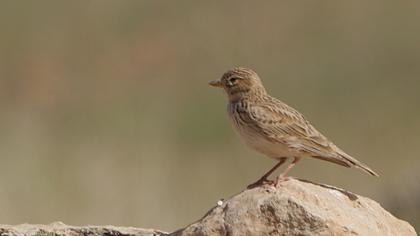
(106, 116)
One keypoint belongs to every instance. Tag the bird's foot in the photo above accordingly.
(281, 179)
(261, 182)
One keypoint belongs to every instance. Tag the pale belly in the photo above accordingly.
(260, 144)
(270, 149)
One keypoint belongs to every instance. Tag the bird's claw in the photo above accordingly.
(280, 180)
(261, 182)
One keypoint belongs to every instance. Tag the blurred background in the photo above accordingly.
(106, 116)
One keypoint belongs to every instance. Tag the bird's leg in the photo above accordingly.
(283, 175)
(263, 179)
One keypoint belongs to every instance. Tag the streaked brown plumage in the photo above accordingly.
(273, 128)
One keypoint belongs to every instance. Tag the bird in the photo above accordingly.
(271, 127)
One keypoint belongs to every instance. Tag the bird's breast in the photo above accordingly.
(249, 131)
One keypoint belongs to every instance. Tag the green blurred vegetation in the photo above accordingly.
(106, 116)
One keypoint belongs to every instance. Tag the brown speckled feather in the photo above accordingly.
(271, 127)
(283, 124)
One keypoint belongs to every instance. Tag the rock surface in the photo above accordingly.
(298, 207)
(60, 229)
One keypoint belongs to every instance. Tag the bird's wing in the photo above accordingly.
(281, 123)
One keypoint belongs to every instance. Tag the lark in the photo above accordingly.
(275, 129)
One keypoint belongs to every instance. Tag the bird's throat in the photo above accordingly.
(239, 94)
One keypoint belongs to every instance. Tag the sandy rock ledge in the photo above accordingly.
(60, 229)
(299, 207)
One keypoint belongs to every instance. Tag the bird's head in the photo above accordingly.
(239, 82)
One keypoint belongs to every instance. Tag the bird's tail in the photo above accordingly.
(357, 164)
(366, 169)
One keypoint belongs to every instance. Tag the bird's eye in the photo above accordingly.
(233, 80)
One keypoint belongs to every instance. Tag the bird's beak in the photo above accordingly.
(216, 83)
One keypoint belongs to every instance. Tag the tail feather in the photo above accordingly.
(346, 160)
(358, 164)
(366, 169)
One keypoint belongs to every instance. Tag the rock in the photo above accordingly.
(60, 229)
(298, 207)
